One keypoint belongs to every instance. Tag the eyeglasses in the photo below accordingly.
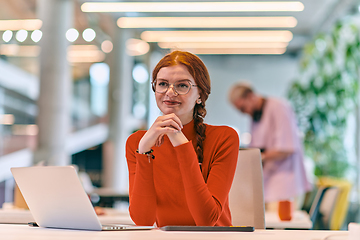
(180, 87)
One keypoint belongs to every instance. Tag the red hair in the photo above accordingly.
(199, 72)
(195, 66)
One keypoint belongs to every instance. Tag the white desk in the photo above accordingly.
(24, 216)
(300, 220)
(15, 216)
(113, 216)
(20, 232)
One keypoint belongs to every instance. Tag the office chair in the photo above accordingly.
(314, 210)
(341, 205)
(322, 207)
(327, 206)
(246, 195)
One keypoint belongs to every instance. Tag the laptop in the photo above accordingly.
(56, 199)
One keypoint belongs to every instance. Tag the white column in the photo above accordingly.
(55, 82)
(115, 174)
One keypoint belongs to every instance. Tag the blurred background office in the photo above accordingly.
(75, 79)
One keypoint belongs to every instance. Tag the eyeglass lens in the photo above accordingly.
(181, 87)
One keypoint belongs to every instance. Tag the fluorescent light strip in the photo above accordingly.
(7, 119)
(14, 50)
(76, 53)
(217, 36)
(82, 48)
(73, 60)
(289, 6)
(25, 129)
(84, 54)
(26, 24)
(248, 51)
(207, 22)
(221, 45)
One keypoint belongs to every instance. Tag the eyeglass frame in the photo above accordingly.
(172, 84)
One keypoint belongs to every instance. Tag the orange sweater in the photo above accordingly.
(171, 190)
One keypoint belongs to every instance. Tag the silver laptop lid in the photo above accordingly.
(56, 197)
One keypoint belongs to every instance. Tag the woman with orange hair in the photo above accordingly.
(181, 169)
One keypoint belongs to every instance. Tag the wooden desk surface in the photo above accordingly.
(20, 232)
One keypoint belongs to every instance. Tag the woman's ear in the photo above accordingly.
(198, 101)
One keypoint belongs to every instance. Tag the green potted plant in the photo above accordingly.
(325, 95)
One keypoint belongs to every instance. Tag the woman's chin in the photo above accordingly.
(168, 111)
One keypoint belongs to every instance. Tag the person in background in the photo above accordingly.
(181, 169)
(274, 130)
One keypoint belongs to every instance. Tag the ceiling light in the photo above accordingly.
(7, 35)
(247, 51)
(7, 119)
(84, 53)
(99, 57)
(217, 36)
(89, 34)
(192, 45)
(26, 24)
(72, 34)
(136, 47)
(14, 50)
(36, 35)
(107, 46)
(25, 129)
(207, 22)
(21, 35)
(291, 6)
(82, 47)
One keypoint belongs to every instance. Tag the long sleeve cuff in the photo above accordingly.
(144, 179)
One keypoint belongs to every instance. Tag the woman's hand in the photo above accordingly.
(168, 124)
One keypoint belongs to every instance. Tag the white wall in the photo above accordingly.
(269, 75)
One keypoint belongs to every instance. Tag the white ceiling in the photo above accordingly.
(318, 15)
